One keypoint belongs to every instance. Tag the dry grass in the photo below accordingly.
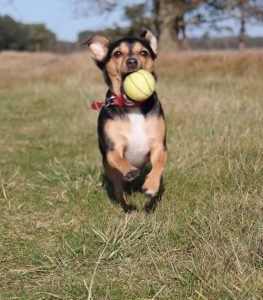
(61, 237)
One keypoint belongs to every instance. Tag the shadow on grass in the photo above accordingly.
(133, 187)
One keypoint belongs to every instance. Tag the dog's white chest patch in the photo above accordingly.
(138, 141)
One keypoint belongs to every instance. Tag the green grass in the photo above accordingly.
(60, 235)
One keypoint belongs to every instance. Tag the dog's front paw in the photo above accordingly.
(150, 188)
(149, 193)
(131, 174)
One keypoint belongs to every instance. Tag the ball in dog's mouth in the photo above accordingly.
(128, 101)
(138, 85)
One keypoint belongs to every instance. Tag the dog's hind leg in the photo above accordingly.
(116, 179)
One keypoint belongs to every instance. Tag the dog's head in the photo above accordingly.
(119, 58)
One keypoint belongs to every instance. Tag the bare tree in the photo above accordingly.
(139, 17)
(171, 18)
(167, 16)
(244, 11)
(89, 7)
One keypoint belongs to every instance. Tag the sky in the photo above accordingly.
(59, 17)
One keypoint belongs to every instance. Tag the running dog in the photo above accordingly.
(130, 133)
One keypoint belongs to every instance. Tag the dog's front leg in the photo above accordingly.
(115, 160)
(158, 157)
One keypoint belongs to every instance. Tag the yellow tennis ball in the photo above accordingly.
(139, 85)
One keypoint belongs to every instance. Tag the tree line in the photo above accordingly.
(18, 36)
(170, 19)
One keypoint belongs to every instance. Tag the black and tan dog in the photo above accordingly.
(130, 133)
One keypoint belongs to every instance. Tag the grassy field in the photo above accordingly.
(61, 237)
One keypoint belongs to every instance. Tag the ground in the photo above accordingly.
(62, 237)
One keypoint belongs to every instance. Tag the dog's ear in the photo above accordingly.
(152, 40)
(99, 46)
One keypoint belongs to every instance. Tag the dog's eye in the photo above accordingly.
(144, 53)
(117, 53)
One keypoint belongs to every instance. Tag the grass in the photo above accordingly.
(60, 235)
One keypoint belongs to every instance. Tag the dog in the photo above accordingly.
(130, 133)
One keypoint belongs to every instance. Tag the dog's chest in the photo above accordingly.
(137, 139)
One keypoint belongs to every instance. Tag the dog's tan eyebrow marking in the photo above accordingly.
(116, 49)
(137, 47)
(123, 47)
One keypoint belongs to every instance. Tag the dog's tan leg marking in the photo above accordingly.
(116, 160)
(116, 178)
(158, 156)
(115, 132)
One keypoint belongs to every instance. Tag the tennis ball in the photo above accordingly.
(139, 85)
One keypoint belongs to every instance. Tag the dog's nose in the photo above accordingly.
(132, 63)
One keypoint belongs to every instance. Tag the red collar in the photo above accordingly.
(116, 100)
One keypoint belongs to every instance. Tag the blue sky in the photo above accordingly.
(59, 17)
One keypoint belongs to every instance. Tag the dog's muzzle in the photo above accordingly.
(132, 63)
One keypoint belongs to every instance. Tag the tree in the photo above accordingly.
(169, 19)
(140, 17)
(172, 18)
(17, 36)
(165, 17)
(12, 34)
(243, 11)
(40, 36)
(87, 7)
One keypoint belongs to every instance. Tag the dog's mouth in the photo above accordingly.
(128, 101)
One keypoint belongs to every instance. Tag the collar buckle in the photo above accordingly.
(109, 101)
